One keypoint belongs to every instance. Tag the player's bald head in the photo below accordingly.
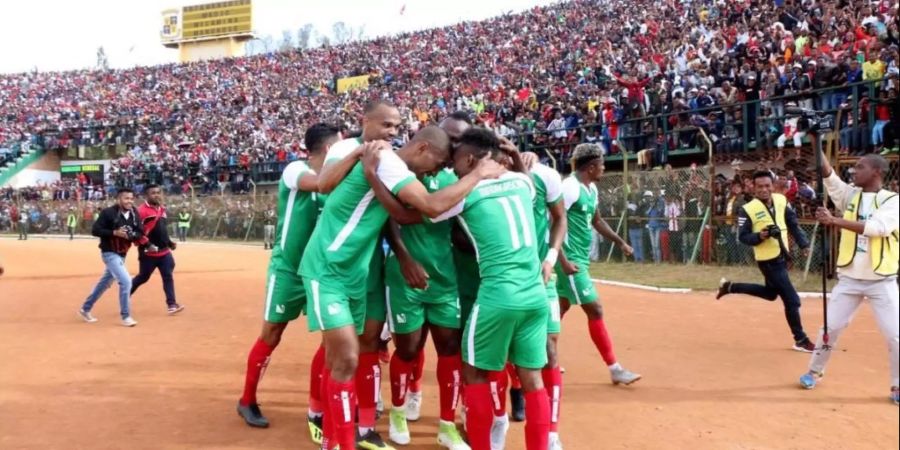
(435, 137)
(455, 125)
(381, 120)
(427, 152)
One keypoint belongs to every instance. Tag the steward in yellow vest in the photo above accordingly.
(764, 224)
(868, 217)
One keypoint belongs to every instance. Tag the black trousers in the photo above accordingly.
(778, 284)
(166, 266)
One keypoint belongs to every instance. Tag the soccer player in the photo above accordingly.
(155, 247)
(297, 210)
(574, 282)
(117, 227)
(336, 263)
(422, 295)
(381, 121)
(509, 319)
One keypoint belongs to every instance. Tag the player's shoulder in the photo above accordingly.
(342, 148)
(546, 174)
(571, 182)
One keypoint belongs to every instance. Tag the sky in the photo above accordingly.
(65, 34)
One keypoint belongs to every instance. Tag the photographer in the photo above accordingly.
(763, 224)
(117, 227)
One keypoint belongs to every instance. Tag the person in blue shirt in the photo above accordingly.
(656, 224)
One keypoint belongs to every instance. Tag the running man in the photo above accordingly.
(574, 281)
(336, 263)
(297, 210)
(509, 319)
(866, 260)
(155, 248)
(117, 227)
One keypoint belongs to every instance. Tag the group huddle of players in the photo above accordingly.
(490, 287)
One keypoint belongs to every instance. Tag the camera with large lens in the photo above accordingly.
(774, 231)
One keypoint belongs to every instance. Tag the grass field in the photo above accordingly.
(696, 277)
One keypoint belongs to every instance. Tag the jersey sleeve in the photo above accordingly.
(392, 171)
(340, 150)
(570, 192)
(553, 184)
(292, 174)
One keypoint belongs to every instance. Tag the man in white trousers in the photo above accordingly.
(866, 260)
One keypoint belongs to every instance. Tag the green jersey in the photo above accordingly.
(581, 203)
(500, 224)
(548, 192)
(296, 217)
(429, 244)
(340, 249)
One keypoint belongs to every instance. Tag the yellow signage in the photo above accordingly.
(171, 26)
(352, 83)
(216, 19)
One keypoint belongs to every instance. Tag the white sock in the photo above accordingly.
(313, 415)
(554, 435)
(364, 430)
(615, 366)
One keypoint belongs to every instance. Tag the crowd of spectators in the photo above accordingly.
(550, 76)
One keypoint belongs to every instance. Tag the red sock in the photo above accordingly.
(256, 366)
(602, 341)
(368, 382)
(418, 370)
(514, 382)
(401, 372)
(479, 417)
(498, 383)
(315, 380)
(328, 438)
(449, 373)
(553, 385)
(537, 419)
(342, 404)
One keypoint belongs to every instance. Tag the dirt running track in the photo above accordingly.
(716, 375)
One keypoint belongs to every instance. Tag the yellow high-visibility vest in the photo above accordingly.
(883, 250)
(760, 217)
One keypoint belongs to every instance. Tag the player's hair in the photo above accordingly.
(585, 154)
(124, 190)
(375, 104)
(481, 140)
(317, 135)
(461, 116)
(150, 186)
(763, 174)
(435, 136)
(877, 162)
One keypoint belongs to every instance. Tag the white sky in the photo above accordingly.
(65, 34)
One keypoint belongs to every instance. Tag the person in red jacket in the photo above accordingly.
(155, 247)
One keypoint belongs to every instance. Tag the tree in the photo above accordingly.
(287, 41)
(342, 33)
(268, 43)
(360, 32)
(324, 41)
(102, 60)
(303, 36)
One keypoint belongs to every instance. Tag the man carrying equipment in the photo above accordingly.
(297, 210)
(155, 251)
(573, 279)
(337, 260)
(509, 319)
(184, 224)
(866, 260)
(762, 224)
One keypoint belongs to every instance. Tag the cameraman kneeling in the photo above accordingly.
(762, 224)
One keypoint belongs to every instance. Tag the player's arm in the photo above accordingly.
(607, 232)
(437, 203)
(510, 150)
(838, 190)
(398, 212)
(333, 172)
(413, 272)
(149, 223)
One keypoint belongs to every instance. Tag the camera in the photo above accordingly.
(774, 231)
(811, 120)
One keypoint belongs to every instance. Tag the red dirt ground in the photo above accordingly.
(717, 375)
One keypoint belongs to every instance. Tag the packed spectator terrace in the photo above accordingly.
(635, 74)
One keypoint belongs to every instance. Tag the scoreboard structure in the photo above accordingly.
(208, 30)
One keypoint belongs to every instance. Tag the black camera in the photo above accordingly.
(774, 231)
(811, 120)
